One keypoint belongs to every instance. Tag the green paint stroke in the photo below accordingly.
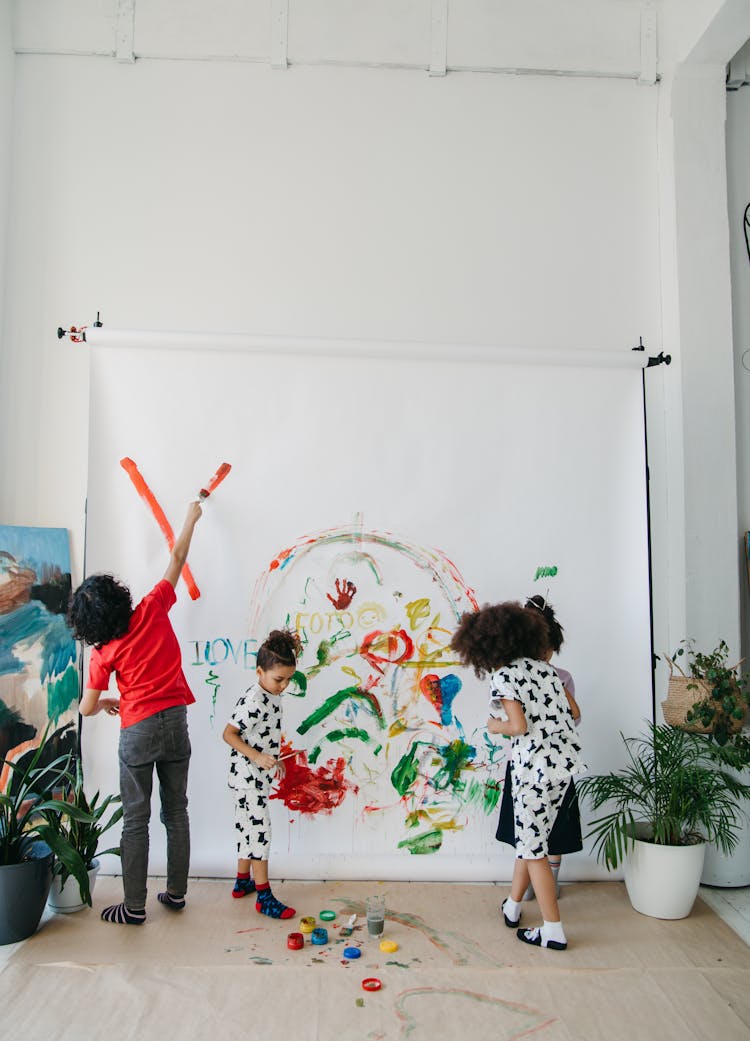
(490, 1017)
(312, 757)
(427, 842)
(406, 770)
(457, 756)
(323, 654)
(485, 794)
(339, 735)
(300, 683)
(62, 693)
(331, 704)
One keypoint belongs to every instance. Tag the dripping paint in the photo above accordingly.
(38, 670)
(375, 716)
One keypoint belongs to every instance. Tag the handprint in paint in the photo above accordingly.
(345, 591)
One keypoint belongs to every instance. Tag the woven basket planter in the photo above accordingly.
(682, 693)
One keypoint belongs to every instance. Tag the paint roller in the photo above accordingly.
(215, 481)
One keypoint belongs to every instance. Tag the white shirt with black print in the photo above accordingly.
(257, 716)
(550, 748)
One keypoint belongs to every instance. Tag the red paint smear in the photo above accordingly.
(280, 559)
(160, 517)
(309, 790)
(430, 687)
(215, 481)
(390, 642)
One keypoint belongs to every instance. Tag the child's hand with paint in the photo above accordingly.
(264, 761)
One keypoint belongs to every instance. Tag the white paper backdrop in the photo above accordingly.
(416, 483)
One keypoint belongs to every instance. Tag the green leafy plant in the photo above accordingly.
(675, 783)
(724, 693)
(84, 834)
(32, 809)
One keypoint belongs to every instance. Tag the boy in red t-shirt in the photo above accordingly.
(139, 645)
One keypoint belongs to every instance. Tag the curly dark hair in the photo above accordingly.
(100, 610)
(538, 603)
(281, 647)
(498, 634)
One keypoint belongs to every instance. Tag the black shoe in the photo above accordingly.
(508, 922)
(534, 937)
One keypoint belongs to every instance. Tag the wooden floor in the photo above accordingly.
(220, 971)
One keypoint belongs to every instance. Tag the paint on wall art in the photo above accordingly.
(38, 671)
(375, 713)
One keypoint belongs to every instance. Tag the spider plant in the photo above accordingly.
(675, 784)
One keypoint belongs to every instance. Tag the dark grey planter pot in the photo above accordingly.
(23, 893)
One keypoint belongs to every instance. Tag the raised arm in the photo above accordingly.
(181, 547)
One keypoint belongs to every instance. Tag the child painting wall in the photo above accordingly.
(369, 504)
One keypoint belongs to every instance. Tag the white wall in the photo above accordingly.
(335, 199)
(317, 201)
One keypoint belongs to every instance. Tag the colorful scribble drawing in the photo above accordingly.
(38, 669)
(377, 692)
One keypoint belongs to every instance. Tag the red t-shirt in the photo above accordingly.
(146, 661)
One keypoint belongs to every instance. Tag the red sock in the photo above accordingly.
(260, 886)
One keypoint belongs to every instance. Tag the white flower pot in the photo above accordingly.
(663, 881)
(66, 898)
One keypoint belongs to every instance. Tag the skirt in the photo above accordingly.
(565, 836)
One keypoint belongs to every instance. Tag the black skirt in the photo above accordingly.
(565, 836)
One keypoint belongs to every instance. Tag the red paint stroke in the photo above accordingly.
(215, 481)
(160, 517)
(397, 645)
(345, 591)
(311, 791)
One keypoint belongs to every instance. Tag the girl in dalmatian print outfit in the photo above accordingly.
(527, 704)
(254, 735)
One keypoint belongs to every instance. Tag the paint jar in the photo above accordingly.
(375, 908)
(295, 941)
(307, 924)
(319, 936)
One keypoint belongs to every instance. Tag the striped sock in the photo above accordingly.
(174, 903)
(120, 915)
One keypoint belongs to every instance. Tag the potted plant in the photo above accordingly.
(712, 699)
(675, 793)
(83, 835)
(713, 696)
(32, 834)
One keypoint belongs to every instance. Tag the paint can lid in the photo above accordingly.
(327, 916)
(388, 946)
(352, 952)
(371, 983)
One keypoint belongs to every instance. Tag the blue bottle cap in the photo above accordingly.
(352, 952)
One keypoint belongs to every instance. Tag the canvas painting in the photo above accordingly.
(39, 682)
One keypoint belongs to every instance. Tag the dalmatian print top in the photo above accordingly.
(550, 749)
(257, 716)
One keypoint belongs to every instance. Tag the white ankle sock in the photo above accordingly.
(512, 909)
(553, 931)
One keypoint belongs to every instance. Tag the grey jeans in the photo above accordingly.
(159, 741)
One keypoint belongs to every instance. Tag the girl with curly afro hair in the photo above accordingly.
(510, 643)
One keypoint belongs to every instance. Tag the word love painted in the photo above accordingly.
(223, 649)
